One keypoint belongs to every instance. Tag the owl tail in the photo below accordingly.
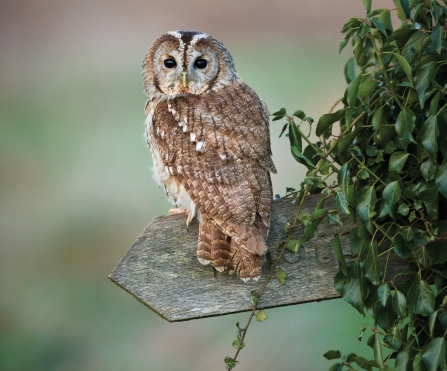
(213, 246)
(238, 248)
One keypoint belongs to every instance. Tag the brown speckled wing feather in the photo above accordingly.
(217, 144)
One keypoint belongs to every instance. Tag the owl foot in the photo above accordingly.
(220, 269)
(176, 211)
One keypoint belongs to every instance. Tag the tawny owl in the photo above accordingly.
(208, 133)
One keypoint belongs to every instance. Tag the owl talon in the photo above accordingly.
(245, 279)
(176, 211)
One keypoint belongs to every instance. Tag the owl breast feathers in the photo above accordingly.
(208, 133)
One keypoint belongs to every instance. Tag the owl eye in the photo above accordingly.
(200, 63)
(170, 63)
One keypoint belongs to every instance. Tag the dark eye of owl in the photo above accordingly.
(170, 63)
(200, 63)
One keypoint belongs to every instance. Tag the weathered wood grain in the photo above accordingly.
(161, 269)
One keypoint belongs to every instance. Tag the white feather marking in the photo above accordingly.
(223, 156)
(163, 134)
(180, 123)
(185, 128)
(238, 160)
(192, 136)
(199, 145)
(176, 34)
(245, 279)
(198, 37)
(171, 170)
(256, 278)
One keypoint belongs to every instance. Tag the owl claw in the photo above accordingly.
(220, 269)
(246, 279)
(176, 211)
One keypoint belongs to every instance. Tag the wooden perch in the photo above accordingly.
(162, 271)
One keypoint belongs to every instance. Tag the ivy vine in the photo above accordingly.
(386, 145)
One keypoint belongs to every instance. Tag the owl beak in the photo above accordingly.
(184, 74)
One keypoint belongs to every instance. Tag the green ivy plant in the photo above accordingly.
(387, 147)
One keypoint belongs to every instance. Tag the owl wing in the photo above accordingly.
(218, 145)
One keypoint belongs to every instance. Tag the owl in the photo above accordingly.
(208, 134)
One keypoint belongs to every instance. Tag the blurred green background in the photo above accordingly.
(76, 189)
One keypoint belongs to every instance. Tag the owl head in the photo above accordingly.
(187, 62)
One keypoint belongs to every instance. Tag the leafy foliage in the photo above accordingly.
(389, 153)
(387, 147)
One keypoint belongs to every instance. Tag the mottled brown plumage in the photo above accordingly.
(209, 137)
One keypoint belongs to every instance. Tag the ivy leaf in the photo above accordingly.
(391, 194)
(261, 316)
(406, 7)
(281, 275)
(352, 90)
(343, 177)
(417, 362)
(332, 354)
(230, 363)
(300, 114)
(281, 112)
(339, 254)
(393, 338)
(337, 367)
(405, 66)
(355, 242)
(379, 24)
(366, 200)
(327, 120)
(429, 135)
(334, 218)
(341, 203)
(432, 321)
(309, 229)
(383, 291)
(397, 160)
(402, 35)
(254, 298)
(295, 137)
(420, 297)
(349, 70)
(352, 287)
(441, 179)
(369, 262)
(405, 124)
(367, 4)
(401, 248)
(433, 354)
(422, 80)
(378, 350)
(400, 304)
(367, 88)
(403, 357)
(403, 209)
(436, 38)
(237, 343)
(406, 232)
(298, 155)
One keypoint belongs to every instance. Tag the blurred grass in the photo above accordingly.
(76, 191)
